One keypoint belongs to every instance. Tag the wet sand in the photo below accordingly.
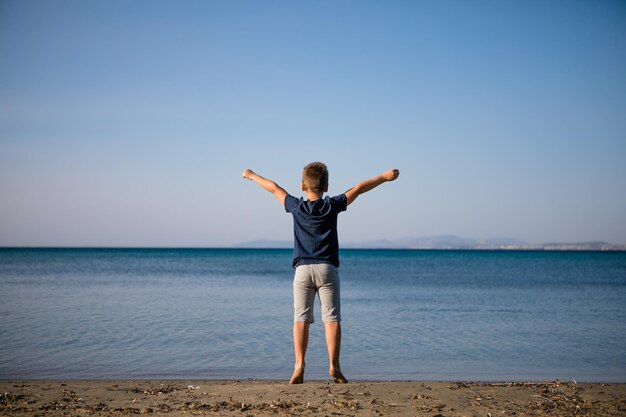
(314, 398)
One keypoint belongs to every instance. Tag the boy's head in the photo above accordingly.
(315, 178)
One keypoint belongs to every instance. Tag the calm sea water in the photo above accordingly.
(222, 313)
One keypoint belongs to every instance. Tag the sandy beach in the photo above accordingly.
(315, 398)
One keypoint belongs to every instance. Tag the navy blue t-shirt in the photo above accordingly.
(315, 229)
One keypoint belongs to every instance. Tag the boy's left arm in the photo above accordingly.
(370, 184)
(268, 185)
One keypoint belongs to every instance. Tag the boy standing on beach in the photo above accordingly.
(316, 256)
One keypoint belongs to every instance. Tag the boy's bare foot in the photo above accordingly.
(337, 376)
(297, 377)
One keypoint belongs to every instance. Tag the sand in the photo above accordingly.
(317, 398)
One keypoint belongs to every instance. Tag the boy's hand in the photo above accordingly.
(247, 173)
(391, 175)
(268, 185)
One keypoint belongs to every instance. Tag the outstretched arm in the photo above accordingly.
(370, 184)
(269, 185)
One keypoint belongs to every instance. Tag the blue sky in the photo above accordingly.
(129, 123)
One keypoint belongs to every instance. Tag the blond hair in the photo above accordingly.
(315, 177)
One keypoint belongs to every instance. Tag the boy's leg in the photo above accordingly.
(303, 300)
(300, 343)
(329, 291)
(333, 342)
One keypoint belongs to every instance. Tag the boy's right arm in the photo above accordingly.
(268, 185)
(370, 184)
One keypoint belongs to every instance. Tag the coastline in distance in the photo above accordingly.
(449, 242)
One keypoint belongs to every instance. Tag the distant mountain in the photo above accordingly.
(580, 246)
(263, 243)
(437, 242)
(447, 242)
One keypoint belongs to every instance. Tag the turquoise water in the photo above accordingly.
(227, 313)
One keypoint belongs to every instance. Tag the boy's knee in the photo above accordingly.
(300, 316)
(331, 314)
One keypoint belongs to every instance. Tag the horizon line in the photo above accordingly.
(531, 248)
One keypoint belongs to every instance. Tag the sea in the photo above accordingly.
(226, 314)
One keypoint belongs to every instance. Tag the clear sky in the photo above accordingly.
(128, 123)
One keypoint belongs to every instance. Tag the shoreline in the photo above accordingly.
(277, 398)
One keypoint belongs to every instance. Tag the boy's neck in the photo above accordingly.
(313, 196)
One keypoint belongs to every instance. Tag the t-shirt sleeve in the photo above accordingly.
(291, 203)
(340, 202)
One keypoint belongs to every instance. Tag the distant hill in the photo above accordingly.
(436, 242)
(456, 242)
(447, 242)
(263, 243)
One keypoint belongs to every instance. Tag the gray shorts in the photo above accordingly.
(322, 279)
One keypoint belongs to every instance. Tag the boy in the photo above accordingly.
(316, 257)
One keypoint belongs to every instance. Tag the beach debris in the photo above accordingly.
(8, 398)
(547, 399)
(432, 408)
(14, 402)
(164, 408)
(100, 407)
(346, 404)
(150, 390)
(560, 395)
(538, 399)
(233, 405)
